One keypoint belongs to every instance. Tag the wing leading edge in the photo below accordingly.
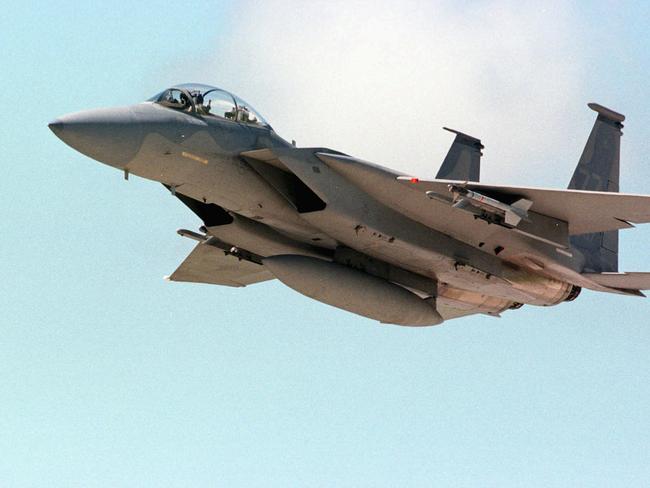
(209, 264)
(585, 211)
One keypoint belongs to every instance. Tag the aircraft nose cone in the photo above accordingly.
(112, 136)
(56, 126)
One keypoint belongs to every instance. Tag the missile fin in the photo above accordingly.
(462, 204)
(523, 204)
(512, 218)
(437, 196)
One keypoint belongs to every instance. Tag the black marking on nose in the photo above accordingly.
(56, 126)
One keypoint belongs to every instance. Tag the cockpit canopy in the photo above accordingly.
(209, 101)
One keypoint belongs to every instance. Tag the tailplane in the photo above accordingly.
(598, 170)
(621, 281)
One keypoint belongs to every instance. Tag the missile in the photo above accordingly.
(195, 236)
(511, 214)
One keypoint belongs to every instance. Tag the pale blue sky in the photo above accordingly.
(110, 376)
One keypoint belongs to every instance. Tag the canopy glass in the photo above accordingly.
(209, 101)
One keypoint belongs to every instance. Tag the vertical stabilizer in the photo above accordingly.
(598, 170)
(463, 161)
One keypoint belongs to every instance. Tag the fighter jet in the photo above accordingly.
(361, 237)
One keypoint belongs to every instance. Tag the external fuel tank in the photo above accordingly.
(353, 290)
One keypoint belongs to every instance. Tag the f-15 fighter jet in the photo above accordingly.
(361, 237)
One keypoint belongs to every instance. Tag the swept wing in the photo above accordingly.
(584, 211)
(209, 264)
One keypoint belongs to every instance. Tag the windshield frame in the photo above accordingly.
(191, 90)
(188, 95)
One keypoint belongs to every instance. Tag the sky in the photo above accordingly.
(112, 377)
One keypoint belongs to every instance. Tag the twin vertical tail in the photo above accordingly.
(463, 161)
(598, 170)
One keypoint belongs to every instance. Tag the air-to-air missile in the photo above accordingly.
(494, 210)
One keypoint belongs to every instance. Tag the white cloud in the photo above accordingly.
(379, 79)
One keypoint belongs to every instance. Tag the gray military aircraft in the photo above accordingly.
(362, 237)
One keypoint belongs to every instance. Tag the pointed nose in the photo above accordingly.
(56, 126)
(112, 136)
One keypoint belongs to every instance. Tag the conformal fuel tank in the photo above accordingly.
(353, 290)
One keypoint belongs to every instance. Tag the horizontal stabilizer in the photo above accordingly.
(624, 281)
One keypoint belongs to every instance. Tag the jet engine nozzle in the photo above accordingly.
(109, 135)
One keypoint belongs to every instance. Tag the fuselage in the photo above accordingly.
(199, 154)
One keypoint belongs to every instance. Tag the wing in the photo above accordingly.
(209, 264)
(585, 211)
